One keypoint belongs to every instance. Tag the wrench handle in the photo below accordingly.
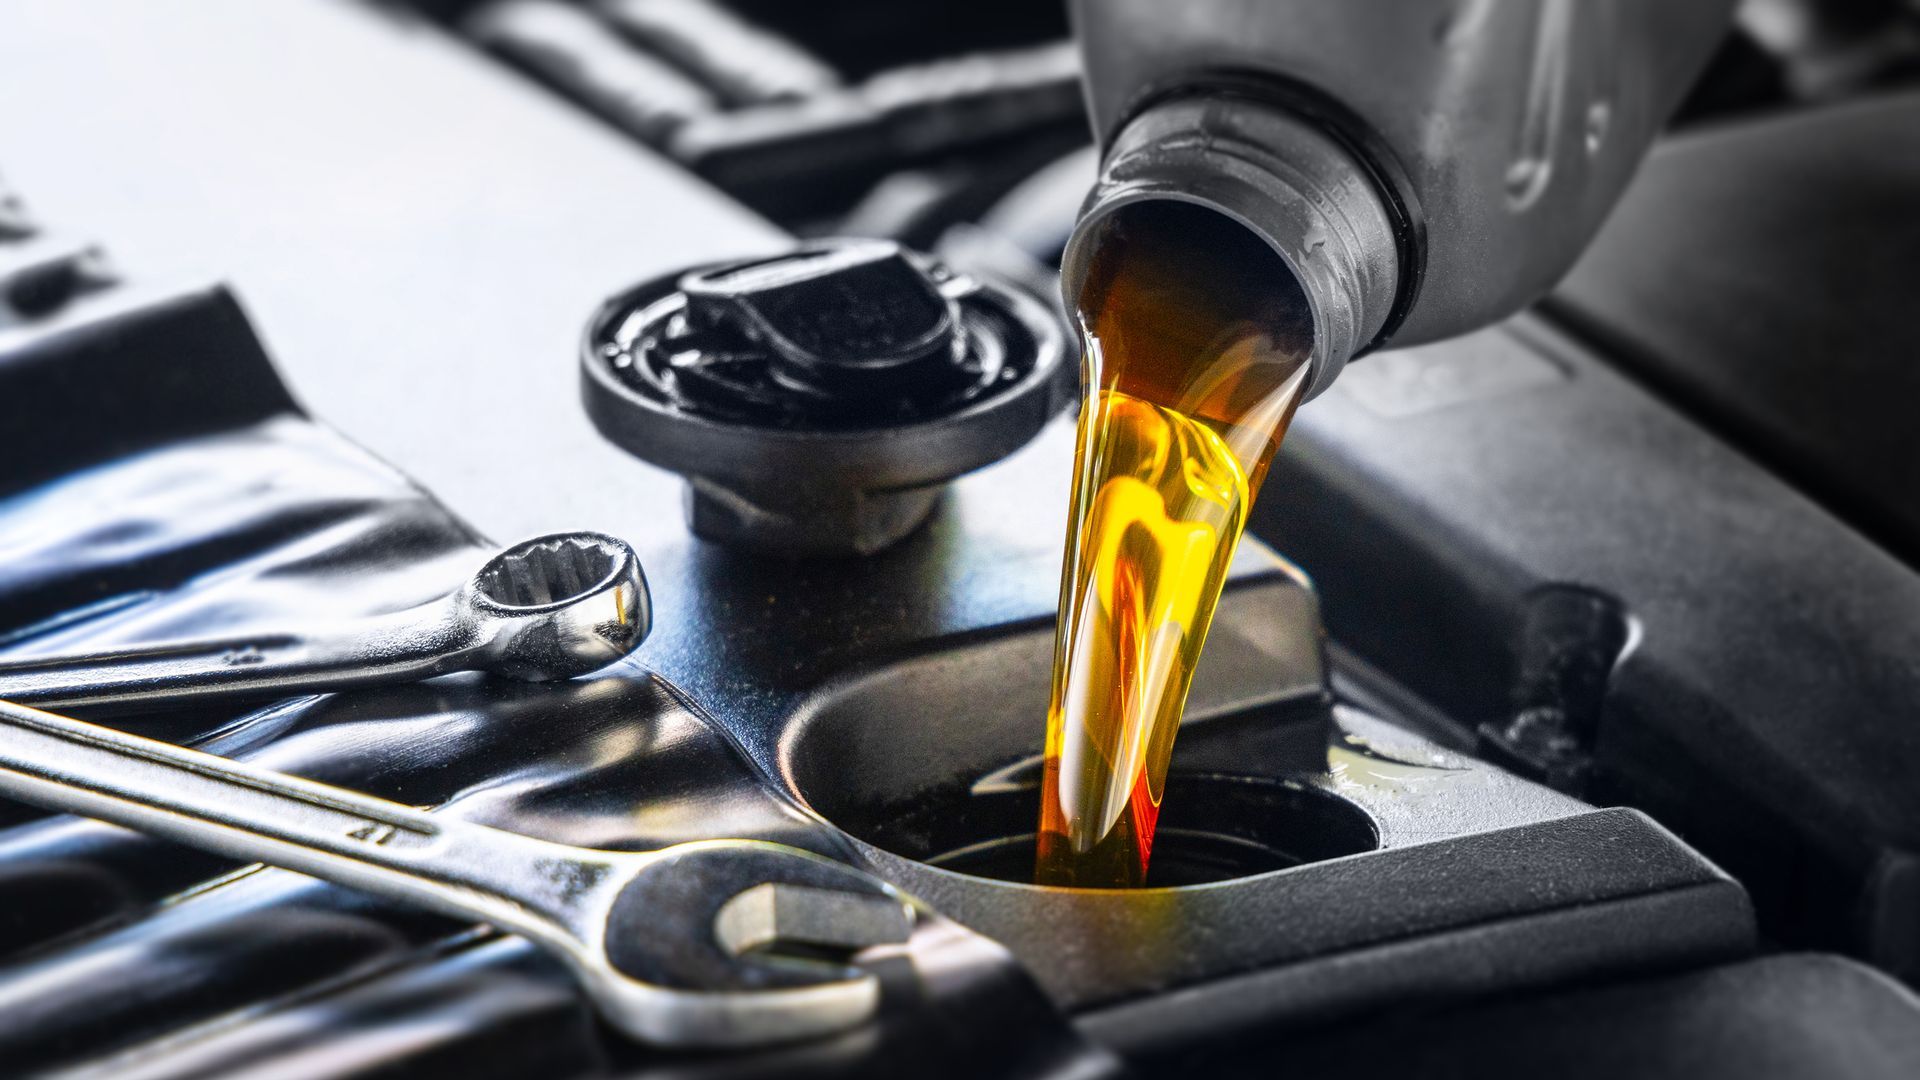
(389, 649)
(257, 815)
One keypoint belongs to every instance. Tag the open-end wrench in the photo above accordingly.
(553, 607)
(679, 947)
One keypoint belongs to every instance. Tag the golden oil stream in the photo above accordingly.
(1195, 346)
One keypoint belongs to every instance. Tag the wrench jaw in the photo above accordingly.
(560, 606)
(736, 943)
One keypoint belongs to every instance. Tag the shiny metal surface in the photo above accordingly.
(666, 943)
(148, 939)
(1365, 809)
(553, 607)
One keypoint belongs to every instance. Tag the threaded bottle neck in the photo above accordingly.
(1280, 178)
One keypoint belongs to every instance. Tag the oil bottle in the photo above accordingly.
(1495, 135)
(1285, 184)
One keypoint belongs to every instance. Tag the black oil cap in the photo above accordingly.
(849, 323)
(818, 400)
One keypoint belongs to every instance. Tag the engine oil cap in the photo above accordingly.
(818, 400)
(852, 321)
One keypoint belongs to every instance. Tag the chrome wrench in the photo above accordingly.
(553, 607)
(677, 947)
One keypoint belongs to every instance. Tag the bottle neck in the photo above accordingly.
(1280, 178)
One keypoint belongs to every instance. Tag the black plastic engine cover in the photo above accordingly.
(1758, 279)
(1764, 277)
(1763, 705)
(1784, 1016)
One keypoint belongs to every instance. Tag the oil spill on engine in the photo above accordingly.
(1196, 341)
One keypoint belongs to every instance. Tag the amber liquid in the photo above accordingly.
(1195, 346)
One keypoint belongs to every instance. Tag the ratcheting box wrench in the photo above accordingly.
(678, 947)
(553, 607)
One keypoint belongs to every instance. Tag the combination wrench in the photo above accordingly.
(679, 947)
(554, 607)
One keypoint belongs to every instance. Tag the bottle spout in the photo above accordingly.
(1277, 176)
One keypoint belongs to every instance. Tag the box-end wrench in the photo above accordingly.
(677, 947)
(553, 607)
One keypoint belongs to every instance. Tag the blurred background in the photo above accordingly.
(959, 125)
